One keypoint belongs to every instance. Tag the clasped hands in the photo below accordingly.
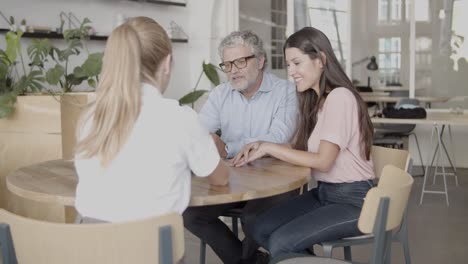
(249, 153)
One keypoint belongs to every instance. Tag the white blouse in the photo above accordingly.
(151, 175)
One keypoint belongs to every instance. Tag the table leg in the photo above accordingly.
(437, 151)
(427, 166)
(452, 146)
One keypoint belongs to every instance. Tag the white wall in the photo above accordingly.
(204, 21)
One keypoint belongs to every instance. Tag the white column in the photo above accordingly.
(412, 49)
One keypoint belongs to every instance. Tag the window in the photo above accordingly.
(331, 17)
(389, 11)
(278, 33)
(423, 62)
(421, 11)
(390, 60)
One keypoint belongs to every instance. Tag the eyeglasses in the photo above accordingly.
(240, 63)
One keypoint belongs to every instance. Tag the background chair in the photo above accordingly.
(28, 241)
(382, 212)
(381, 157)
(390, 135)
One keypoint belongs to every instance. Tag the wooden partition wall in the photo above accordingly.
(41, 128)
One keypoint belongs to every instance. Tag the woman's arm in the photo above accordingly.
(323, 160)
(220, 175)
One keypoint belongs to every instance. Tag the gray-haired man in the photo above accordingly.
(253, 105)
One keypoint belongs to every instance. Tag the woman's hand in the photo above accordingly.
(249, 153)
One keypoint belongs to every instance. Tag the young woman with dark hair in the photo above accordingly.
(333, 138)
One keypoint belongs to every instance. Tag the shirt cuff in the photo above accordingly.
(232, 148)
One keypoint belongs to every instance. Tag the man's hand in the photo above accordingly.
(220, 145)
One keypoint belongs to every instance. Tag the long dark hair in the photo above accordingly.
(314, 43)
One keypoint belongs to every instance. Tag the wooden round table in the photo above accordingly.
(55, 182)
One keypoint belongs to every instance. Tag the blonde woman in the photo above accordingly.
(136, 149)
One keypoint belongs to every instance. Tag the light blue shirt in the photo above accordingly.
(269, 115)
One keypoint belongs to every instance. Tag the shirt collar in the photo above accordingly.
(148, 89)
(266, 85)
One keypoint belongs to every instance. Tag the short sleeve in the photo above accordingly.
(201, 152)
(339, 117)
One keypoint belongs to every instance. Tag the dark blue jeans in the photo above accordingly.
(203, 222)
(328, 212)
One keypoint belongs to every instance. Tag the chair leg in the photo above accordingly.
(402, 236)
(202, 252)
(388, 252)
(347, 253)
(8, 253)
(235, 229)
(327, 251)
(406, 252)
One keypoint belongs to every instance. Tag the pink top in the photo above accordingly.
(338, 123)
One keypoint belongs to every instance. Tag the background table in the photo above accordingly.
(428, 100)
(55, 182)
(439, 119)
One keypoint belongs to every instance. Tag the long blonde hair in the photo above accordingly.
(133, 54)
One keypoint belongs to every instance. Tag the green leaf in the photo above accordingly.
(74, 80)
(92, 83)
(38, 51)
(4, 69)
(54, 75)
(4, 60)
(7, 104)
(93, 64)
(79, 72)
(8, 98)
(13, 46)
(211, 72)
(192, 97)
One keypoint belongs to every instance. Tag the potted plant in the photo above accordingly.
(211, 73)
(37, 121)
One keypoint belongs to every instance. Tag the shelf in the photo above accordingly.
(50, 35)
(159, 2)
(55, 35)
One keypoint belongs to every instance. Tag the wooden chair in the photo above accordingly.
(381, 157)
(382, 212)
(153, 240)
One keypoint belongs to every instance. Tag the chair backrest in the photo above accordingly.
(139, 241)
(394, 184)
(382, 156)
